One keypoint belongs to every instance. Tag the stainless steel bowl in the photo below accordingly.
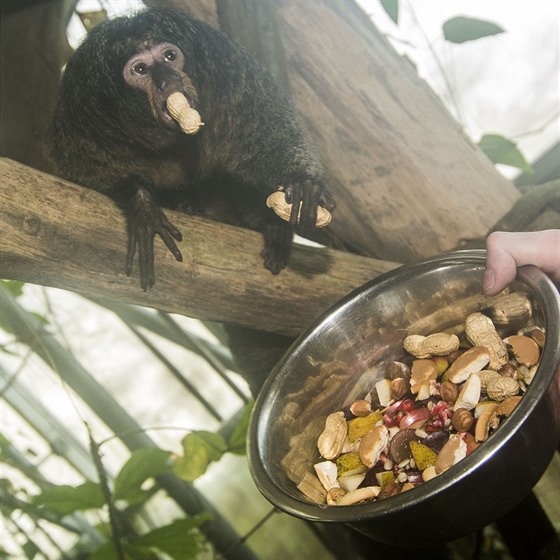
(344, 353)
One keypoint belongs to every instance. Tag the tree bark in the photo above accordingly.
(33, 49)
(59, 234)
(408, 183)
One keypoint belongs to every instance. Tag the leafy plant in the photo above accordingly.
(179, 540)
(502, 150)
(459, 30)
(123, 498)
(200, 448)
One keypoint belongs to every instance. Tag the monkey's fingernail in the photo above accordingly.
(179, 108)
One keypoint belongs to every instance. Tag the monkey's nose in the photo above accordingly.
(164, 76)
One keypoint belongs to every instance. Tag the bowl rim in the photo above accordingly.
(304, 508)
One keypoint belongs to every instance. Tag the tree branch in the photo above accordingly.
(59, 234)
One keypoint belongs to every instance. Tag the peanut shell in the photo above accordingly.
(277, 201)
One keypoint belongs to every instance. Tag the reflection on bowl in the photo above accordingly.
(345, 353)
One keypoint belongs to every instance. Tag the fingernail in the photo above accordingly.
(488, 280)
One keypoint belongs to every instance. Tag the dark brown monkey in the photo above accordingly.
(112, 132)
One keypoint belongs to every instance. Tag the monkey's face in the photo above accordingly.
(159, 71)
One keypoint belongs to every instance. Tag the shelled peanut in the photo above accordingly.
(447, 395)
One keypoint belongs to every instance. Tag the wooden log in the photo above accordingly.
(59, 234)
(408, 182)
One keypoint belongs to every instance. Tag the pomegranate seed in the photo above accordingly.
(407, 405)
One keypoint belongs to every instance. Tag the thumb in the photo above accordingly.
(501, 266)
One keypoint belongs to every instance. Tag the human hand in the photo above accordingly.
(507, 251)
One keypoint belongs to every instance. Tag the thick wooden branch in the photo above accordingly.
(55, 233)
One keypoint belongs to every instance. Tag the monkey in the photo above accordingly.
(112, 131)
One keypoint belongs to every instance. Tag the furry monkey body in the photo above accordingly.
(112, 131)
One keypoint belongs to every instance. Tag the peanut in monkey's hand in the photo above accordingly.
(179, 108)
(277, 201)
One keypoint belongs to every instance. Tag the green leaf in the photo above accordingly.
(461, 29)
(177, 539)
(30, 549)
(391, 7)
(199, 450)
(15, 287)
(142, 464)
(66, 499)
(237, 441)
(504, 151)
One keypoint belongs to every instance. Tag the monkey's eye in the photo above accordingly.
(141, 69)
(170, 55)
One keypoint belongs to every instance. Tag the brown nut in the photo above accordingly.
(437, 344)
(397, 369)
(372, 444)
(485, 375)
(537, 334)
(485, 422)
(470, 361)
(462, 420)
(449, 392)
(509, 370)
(422, 372)
(500, 388)
(360, 408)
(524, 348)
(331, 440)
(334, 494)
(399, 388)
(505, 408)
(481, 332)
(451, 453)
(277, 201)
(511, 308)
(179, 108)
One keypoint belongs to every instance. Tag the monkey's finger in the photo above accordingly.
(308, 217)
(293, 195)
(295, 213)
(146, 261)
(326, 200)
(168, 226)
(131, 252)
(167, 231)
(171, 245)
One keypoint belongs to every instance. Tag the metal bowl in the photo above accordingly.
(345, 352)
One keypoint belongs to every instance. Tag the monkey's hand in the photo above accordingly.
(305, 197)
(148, 219)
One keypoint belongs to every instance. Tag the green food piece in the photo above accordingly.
(423, 456)
(358, 427)
(349, 462)
(385, 478)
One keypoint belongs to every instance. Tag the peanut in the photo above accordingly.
(331, 440)
(179, 108)
(481, 332)
(277, 201)
(437, 344)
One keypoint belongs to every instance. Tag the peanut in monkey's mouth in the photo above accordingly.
(164, 110)
(180, 109)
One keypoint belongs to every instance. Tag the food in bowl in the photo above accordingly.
(445, 397)
(341, 357)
